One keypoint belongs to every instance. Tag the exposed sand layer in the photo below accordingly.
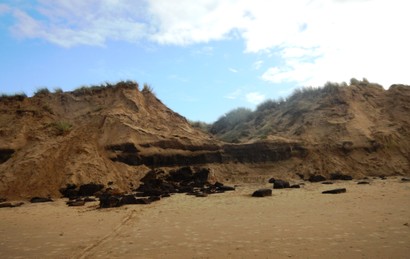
(368, 221)
(116, 134)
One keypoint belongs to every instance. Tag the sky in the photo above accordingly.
(203, 58)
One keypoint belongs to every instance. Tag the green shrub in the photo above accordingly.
(88, 90)
(48, 108)
(62, 127)
(200, 125)
(354, 81)
(267, 105)
(58, 90)
(17, 97)
(147, 89)
(129, 84)
(42, 91)
(230, 120)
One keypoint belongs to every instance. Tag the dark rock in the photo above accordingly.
(317, 178)
(71, 194)
(129, 199)
(405, 179)
(88, 199)
(40, 199)
(153, 192)
(6, 205)
(18, 204)
(98, 194)
(183, 180)
(168, 187)
(5, 154)
(295, 186)
(271, 180)
(153, 175)
(226, 188)
(10, 205)
(340, 176)
(280, 184)
(218, 184)
(153, 186)
(363, 182)
(201, 194)
(76, 203)
(335, 191)
(90, 189)
(71, 186)
(201, 176)
(327, 182)
(69, 191)
(154, 198)
(182, 174)
(184, 189)
(3, 199)
(262, 193)
(143, 201)
(109, 201)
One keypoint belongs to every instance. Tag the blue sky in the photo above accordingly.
(206, 57)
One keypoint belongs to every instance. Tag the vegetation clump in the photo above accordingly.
(203, 126)
(42, 91)
(58, 90)
(147, 89)
(89, 90)
(62, 127)
(242, 122)
(14, 97)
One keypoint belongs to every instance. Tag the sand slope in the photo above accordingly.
(118, 133)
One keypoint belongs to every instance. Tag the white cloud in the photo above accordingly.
(312, 40)
(257, 65)
(185, 22)
(234, 95)
(4, 8)
(255, 97)
(233, 70)
(77, 22)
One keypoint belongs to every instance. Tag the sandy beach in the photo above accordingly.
(368, 221)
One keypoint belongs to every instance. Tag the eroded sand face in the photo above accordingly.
(368, 221)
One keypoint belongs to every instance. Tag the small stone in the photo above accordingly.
(335, 191)
(317, 178)
(76, 203)
(40, 199)
(262, 193)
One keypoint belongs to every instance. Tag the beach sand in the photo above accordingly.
(368, 221)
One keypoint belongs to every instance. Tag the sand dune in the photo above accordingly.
(368, 221)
